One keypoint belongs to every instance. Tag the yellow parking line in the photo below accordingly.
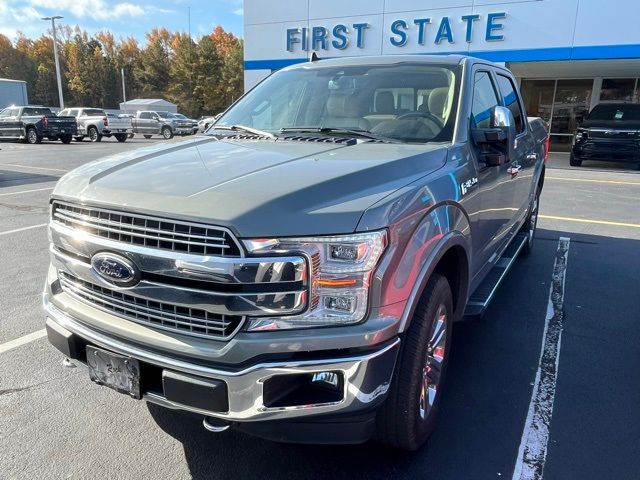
(587, 220)
(614, 182)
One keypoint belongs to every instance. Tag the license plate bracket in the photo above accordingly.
(118, 372)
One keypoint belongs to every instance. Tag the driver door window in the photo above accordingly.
(484, 99)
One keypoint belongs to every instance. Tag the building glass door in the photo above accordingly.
(571, 105)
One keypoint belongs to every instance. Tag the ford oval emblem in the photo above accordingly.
(115, 269)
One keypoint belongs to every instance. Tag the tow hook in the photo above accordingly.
(215, 425)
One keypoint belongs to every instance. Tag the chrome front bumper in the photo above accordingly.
(367, 377)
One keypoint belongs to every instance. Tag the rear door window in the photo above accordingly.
(511, 101)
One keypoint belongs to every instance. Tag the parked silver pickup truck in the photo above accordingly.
(149, 123)
(296, 271)
(94, 123)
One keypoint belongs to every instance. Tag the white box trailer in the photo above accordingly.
(13, 92)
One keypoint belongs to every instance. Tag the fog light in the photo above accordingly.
(340, 303)
(328, 379)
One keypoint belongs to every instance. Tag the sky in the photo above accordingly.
(120, 17)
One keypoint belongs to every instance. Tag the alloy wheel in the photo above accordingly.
(432, 368)
(533, 220)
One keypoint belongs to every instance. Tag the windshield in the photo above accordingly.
(615, 112)
(405, 102)
(165, 114)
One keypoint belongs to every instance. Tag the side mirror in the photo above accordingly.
(499, 138)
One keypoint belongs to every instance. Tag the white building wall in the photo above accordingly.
(533, 30)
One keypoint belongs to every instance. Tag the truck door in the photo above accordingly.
(144, 122)
(523, 165)
(496, 206)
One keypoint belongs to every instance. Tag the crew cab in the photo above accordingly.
(94, 123)
(610, 133)
(33, 123)
(296, 271)
(149, 123)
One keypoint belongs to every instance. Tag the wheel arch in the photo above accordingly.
(447, 253)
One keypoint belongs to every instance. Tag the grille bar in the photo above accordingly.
(147, 231)
(166, 316)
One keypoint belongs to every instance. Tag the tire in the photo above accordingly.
(121, 137)
(93, 134)
(166, 133)
(147, 136)
(66, 139)
(408, 416)
(79, 139)
(574, 161)
(32, 136)
(129, 135)
(531, 224)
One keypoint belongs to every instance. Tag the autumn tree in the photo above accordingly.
(202, 76)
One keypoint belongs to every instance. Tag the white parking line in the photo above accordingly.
(23, 229)
(33, 168)
(26, 191)
(532, 453)
(18, 342)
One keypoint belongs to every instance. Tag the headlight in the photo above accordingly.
(340, 270)
(581, 135)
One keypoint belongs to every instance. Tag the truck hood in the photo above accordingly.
(612, 124)
(255, 187)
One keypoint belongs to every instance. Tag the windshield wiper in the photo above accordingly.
(348, 131)
(243, 128)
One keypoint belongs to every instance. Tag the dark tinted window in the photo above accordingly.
(484, 99)
(36, 111)
(94, 112)
(615, 112)
(510, 98)
(145, 115)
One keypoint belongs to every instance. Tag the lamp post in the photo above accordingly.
(124, 91)
(55, 54)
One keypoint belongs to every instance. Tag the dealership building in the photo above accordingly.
(568, 55)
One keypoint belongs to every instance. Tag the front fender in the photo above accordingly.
(415, 250)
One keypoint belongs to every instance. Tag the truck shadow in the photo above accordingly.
(486, 398)
(11, 178)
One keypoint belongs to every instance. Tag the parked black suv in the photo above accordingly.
(611, 132)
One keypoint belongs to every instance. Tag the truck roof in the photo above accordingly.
(384, 60)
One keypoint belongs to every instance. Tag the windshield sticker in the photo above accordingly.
(619, 115)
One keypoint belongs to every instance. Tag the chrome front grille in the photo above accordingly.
(165, 316)
(147, 231)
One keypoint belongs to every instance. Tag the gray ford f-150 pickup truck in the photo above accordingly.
(295, 272)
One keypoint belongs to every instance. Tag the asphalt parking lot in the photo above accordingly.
(56, 424)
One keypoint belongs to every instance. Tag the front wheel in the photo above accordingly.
(167, 133)
(79, 139)
(408, 416)
(121, 137)
(66, 139)
(574, 161)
